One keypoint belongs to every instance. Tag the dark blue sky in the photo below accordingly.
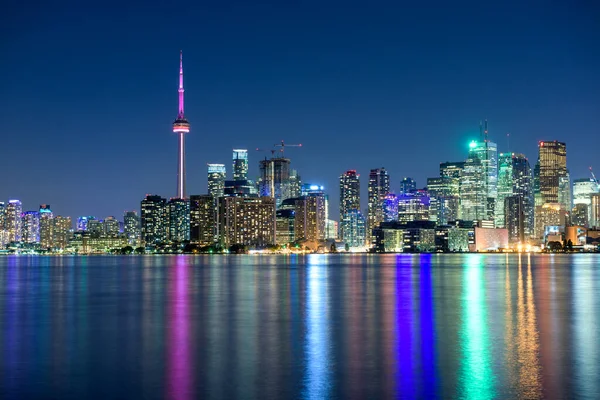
(88, 95)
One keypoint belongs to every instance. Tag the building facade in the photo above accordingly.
(203, 220)
(154, 220)
(379, 188)
(246, 221)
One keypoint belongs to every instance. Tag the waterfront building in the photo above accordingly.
(413, 206)
(31, 227)
(388, 239)
(473, 195)
(12, 221)
(240, 164)
(310, 219)
(154, 220)
(353, 229)
(131, 227)
(515, 219)
(46, 226)
(111, 227)
(490, 239)
(216, 180)
(284, 226)
(549, 215)
(458, 239)
(95, 227)
(349, 199)
(331, 229)
(580, 214)
(62, 232)
(379, 187)
(203, 222)
(246, 221)
(179, 220)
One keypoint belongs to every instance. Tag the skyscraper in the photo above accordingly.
(390, 208)
(181, 126)
(379, 187)
(310, 220)
(154, 221)
(111, 227)
(275, 179)
(515, 179)
(552, 159)
(202, 219)
(487, 152)
(62, 232)
(179, 220)
(131, 227)
(349, 192)
(246, 221)
(407, 185)
(216, 180)
(353, 228)
(473, 196)
(240, 164)
(46, 226)
(31, 227)
(12, 220)
(595, 211)
(349, 197)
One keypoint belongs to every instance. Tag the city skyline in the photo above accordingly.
(100, 153)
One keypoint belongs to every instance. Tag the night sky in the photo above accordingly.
(88, 95)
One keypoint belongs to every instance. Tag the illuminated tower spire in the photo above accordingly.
(181, 126)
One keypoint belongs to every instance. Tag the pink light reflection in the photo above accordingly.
(179, 351)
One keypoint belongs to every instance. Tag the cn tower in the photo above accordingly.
(181, 126)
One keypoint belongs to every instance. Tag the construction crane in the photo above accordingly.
(272, 151)
(283, 146)
(594, 176)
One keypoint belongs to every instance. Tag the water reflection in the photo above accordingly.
(318, 326)
(318, 376)
(477, 377)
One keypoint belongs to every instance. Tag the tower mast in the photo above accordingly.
(181, 126)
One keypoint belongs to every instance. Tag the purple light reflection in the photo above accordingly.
(179, 352)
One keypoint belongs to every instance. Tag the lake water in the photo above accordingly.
(318, 326)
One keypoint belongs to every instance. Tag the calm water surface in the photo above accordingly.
(317, 326)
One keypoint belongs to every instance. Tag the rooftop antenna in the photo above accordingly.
(508, 141)
(485, 131)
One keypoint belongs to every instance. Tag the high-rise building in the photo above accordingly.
(131, 227)
(62, 232)
(473, 196)
(580, 215)
(284, 226)
(310, 220)
(514, 218)
(179, 220)
(95, 227)
(552, 160)
(202, 219)
(181, 126)
(295, 184)
(275, 179)
(565, 194)
(46, 226)
(82, 223)
(353, 228)
(379, 187)
(349, 198)
(12, 220)
(390, 208)
(413, 207)
(154, 219)
(486, 152)
(349, 192)
(110, 227)
(331, 229)
(407, 185)
(515, 179)
(246, 221)
(451, 172)
(240, 164)
(216, 180)
(583, 190)
(549, 215)
(31, 227)
(595, 211)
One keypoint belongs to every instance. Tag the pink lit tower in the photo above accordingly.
(181, 126)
